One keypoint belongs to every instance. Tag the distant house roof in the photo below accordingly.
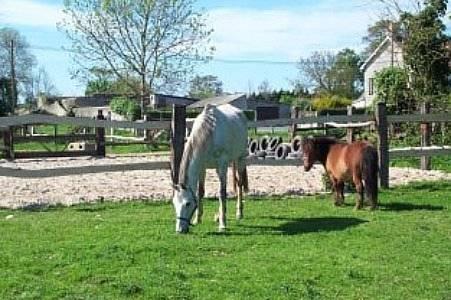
(385, 43)
(226, 99)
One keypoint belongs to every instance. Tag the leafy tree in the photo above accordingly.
(333, 74)
(327, 101)
(392, 87)
(346, 75)
(125, 107)
(157, 41)
(21, 58)
(425, 52)
(205, 87)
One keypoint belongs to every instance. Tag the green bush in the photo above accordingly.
(324, 102)
(125, 107)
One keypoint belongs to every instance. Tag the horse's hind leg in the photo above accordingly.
(359, 189)
(200, 207)
(241, 180)
(335, 190)
(340, 194)
(222, 174)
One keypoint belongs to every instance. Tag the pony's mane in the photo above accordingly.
(197, 140)
(321, 146)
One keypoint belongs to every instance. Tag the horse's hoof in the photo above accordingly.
(221, 229)
(356, 208)
(196, 222)
(239, 217)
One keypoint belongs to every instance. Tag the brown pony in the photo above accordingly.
(357, 161)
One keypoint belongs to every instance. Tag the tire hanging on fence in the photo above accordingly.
(296, 148)
(263, 143)
(273, 143)
(252, 147)
(282, 151)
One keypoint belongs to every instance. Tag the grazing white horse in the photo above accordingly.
(218, 137)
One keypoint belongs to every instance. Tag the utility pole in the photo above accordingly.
(392, 36)
(13, 78)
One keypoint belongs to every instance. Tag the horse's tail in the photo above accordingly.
(370, 174)
(240, 177)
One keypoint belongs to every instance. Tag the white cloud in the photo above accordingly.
(287, 34)
(29, 13)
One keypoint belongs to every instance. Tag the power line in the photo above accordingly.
(219, 60)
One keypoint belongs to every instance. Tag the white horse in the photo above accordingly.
(218, 137)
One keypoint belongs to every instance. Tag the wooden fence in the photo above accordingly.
(178, 126)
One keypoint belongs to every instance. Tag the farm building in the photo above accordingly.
(88, 106)
(264, 109)
(161, 101)
(387, 54)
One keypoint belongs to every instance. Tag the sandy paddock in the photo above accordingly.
(156, 185)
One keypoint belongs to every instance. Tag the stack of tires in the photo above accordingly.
(267, 147)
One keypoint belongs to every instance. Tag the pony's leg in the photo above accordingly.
(335, 190)
(200, 206)
(359, 188)
(340, 194)
(222, 174)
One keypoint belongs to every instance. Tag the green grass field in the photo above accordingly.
(285, 248)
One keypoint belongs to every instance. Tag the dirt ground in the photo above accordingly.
(154, 185)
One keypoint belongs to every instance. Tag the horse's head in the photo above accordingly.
(185, 204)
(308, 153)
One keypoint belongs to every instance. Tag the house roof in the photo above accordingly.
(382, 46)
(216, 101)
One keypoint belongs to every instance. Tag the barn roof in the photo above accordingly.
(216, 101)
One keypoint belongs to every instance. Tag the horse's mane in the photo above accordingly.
(197, 140)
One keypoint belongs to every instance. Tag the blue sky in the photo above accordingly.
(256, 30)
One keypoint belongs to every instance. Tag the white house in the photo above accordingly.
(387, 54)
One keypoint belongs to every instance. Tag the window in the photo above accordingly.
(371, 86)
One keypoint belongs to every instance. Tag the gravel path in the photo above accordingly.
(128, 185)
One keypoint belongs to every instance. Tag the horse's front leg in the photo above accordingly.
(201, 193)
(222, 174)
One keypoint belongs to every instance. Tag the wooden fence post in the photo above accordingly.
(178, 131)
(425, 136)
(8, 142)
(349, 131)
(382, 143)
(294, 115)
(100, 136)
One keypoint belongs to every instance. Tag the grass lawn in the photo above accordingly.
(442, 162)
(285, 248)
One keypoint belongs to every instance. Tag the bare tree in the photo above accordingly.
(315, 70)
(16, 62)
(39, 84)
(158, 41)
(393, 9)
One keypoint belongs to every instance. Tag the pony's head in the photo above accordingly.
(308, 153)
(185, 204)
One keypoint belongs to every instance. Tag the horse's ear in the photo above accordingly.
(176, 187)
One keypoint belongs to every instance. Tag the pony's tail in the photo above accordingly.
(370, 174)
(240, 178)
